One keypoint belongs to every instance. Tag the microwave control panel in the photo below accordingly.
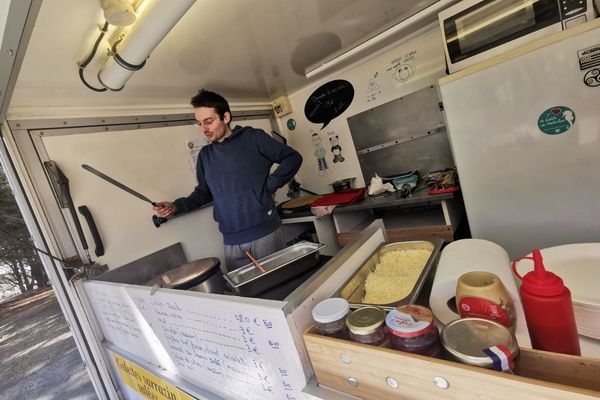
(571, 8)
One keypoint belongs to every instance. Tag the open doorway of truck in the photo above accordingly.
(38, 353)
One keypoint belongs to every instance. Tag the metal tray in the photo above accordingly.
(280, 266)
(354, 289)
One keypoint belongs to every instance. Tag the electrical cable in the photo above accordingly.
(85, 63)
(125, 64)
(66, 265)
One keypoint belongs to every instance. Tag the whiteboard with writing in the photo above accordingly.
(235, 347)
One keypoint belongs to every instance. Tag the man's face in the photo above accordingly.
(213, 127)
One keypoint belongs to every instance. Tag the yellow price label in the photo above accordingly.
(148, 385)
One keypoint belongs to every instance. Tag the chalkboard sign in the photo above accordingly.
(229, 347)
(329, 101)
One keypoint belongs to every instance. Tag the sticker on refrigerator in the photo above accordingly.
(589, 57)
(592, 77)
(556, 120)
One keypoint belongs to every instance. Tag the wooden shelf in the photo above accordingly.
(401, 224)
(399, 235)
(538, 374)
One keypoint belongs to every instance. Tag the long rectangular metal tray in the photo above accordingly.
(353, 289)
(279, 267)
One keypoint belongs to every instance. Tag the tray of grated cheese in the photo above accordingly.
(393, 275)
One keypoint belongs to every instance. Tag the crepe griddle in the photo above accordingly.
(187, 275)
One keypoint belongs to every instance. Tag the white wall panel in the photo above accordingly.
(153, 162)
(375, 82)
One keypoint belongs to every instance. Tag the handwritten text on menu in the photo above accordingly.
(233, 349)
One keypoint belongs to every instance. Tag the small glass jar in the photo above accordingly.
(411, 329)
(480, 342)
(330, 317)
(366, 325)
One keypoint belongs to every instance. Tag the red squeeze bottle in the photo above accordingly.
(548, 309)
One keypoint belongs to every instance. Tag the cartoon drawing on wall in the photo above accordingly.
(319, 154)
(336, 149)
(373, 89)
(404, 72)
(403, 67)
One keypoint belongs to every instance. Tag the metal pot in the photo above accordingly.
(342, 184)
(202, 275)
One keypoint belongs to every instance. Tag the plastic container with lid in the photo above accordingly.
(330, 317)
(483, 295)
(548, 309)
(411, 329)
(366, 325)
(480, 342)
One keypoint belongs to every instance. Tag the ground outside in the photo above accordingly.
(39, 358)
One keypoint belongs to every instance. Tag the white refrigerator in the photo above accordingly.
(525, 134)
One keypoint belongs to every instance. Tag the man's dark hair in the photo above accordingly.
(206, 98)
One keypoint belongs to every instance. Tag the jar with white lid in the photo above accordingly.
(330, 317)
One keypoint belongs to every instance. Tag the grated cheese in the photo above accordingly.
(395, 275)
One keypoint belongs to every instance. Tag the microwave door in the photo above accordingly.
(491, 23)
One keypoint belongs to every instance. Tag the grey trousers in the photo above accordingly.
(235, 256)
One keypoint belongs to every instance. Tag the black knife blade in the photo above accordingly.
(117, 183)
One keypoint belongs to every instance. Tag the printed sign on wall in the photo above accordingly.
(329, 101)
(148, 385)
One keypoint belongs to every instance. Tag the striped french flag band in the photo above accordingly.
(501, 357)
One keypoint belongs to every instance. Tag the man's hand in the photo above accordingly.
(164, 209)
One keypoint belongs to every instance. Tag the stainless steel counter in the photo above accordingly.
(393, 201)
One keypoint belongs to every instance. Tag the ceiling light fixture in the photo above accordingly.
(129, 53)
(157, 19)
(423, 16)
(118, 12)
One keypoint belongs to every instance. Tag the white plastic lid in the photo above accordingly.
(330, 310)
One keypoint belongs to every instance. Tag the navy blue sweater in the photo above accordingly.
(235, 174)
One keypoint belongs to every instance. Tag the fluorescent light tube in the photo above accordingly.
(156, 20)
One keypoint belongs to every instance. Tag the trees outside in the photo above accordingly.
(20, 265)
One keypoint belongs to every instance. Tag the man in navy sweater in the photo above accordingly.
(233, 171)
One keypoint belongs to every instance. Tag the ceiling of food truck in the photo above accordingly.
(247, 50)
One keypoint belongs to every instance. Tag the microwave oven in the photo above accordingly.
(476, 30)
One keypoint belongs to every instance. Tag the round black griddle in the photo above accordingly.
(187, 275)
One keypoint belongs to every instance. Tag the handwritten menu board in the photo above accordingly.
(233, 349)
(122, 323)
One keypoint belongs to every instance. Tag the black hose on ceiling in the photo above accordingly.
(89, 59)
